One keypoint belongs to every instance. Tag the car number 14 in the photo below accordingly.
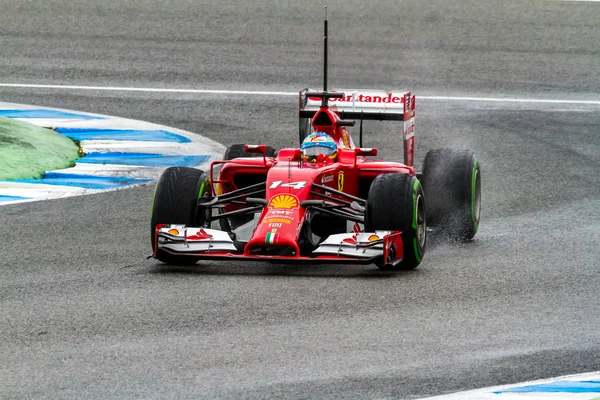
(294, 185)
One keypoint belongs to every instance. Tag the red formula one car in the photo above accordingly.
(284, 207)
(310, 205)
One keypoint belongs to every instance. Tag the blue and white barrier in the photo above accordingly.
(120, 152)
(570, 387)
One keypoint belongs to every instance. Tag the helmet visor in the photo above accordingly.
(316, 150)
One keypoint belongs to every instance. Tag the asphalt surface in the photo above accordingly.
(84, 315)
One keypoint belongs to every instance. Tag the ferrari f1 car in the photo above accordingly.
(294, 205)
(278, 206)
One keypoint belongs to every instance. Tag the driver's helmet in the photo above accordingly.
(318, 146)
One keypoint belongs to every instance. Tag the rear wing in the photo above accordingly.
(379, 105)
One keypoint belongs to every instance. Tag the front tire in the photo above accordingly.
(176, 202)
(452, 180)
(396, 202)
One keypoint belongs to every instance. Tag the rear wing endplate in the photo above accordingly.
(378, 105)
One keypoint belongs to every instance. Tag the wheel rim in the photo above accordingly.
(421, 222)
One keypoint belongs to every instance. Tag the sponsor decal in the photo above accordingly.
(272, 238)
(277, 220)
(200, 235)
(279, 212)
(409, 153)
(346, 139)
(296, 185)
(362, 98)
(284, 201)
(351, 240)
(327, 179)
(173, 232)
(341, 181)
(409, 127)
(317, 139)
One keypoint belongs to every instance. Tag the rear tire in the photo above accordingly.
(452, 181)
(396, 202)
(176, 202)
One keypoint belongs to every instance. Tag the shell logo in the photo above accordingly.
(373, 238)
(285, 201)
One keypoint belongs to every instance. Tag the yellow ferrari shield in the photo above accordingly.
(341, 181)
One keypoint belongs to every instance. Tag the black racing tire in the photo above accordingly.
(237, 151)
(176, 202)
(396, 202)
(452, 183)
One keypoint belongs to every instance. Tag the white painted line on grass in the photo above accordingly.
(273, 93)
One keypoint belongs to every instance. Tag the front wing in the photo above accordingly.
(382, 247)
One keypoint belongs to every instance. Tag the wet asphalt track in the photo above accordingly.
(84, 315)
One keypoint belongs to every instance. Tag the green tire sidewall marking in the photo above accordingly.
(201, 191)
(414, 197)
(473, 175)
(414, 222)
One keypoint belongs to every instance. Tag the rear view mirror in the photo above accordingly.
(256, 148)
(365, 151)
(289, 154)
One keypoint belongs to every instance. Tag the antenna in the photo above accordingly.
(324, 95)
(325, 53)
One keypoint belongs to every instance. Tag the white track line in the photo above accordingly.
(510, 100)
(156, 90)
(268, 93)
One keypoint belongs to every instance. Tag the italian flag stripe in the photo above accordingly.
(271, 237)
